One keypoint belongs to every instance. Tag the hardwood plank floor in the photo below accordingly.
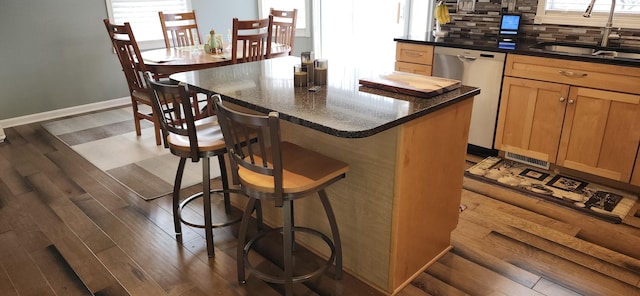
(67, 228)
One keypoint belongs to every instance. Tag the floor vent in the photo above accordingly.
(528, 160)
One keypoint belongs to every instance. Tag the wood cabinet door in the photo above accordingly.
(601, 133)
(530, 117)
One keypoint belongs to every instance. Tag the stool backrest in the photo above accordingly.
(173, 108)
(253, 143)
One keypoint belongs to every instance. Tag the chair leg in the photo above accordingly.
(136, 117)
(206, 191)
(242, 237)
(334, 232)
(156, 127)
(225, 183)
(177, 183)
(287, 232)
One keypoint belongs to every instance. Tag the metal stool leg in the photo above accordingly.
(293, 225)
(206, 191)
(225, 183)
(176, 197)
(242, 238)
(334, 232)
(287, 232)
(258, 208)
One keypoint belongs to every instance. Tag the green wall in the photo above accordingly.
(56, 54)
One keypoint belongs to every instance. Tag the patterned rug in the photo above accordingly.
(108, 140)
(596, 200)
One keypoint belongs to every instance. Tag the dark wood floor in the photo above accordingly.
(67, 228)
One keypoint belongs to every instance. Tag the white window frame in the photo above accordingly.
(143, 42)
(575, 18)
(303, 28)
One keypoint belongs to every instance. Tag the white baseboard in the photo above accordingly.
(2, 135)
(31, 118)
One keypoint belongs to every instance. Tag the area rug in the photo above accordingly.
(593, 199)
(108, 140)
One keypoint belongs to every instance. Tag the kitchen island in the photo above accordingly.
(399, 202)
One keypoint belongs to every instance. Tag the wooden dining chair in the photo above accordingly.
(126, 47)
(284, 28)
(180, 29)
(251, 40)
(267, 168)
(198, 139)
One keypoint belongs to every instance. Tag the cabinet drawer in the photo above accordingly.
(413, 68)
(414, 53)
(602, 76)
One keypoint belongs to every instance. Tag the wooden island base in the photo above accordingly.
(399, 203)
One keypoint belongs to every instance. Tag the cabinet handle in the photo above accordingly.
(413, 53)
(570, 102)
(466, 58)
(562, 99)
(572, 74)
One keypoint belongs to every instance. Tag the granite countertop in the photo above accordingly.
(342, 108)
(521, 47)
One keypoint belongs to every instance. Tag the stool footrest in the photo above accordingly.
(233, 219)
(296, 279)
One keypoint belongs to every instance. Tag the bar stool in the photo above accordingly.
(198, 138)
(267, 168)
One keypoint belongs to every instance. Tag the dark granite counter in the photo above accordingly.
(522, 47)
(341, 108)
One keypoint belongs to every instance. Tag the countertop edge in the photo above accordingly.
(521, 48)
(354, 134)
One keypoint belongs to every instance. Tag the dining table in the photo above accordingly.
(400, 201)
(166, 61)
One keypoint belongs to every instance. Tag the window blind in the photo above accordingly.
(143, 15)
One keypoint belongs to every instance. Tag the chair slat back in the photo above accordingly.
(284, 27)
(172, 106)
(126, 47)
(253, 143)
(252, 39)
(180, 29)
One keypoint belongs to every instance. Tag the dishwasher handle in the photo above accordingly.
(466, 58)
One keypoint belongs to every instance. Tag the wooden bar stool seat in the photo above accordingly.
(267, 168)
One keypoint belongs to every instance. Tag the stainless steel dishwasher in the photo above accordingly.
(481, 69)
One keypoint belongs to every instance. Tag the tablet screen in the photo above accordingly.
(510, 24)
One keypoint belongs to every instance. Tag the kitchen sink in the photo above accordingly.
(587, 50)
(618, 54)
(566, 49)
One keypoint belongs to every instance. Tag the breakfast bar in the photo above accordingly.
(400, 200)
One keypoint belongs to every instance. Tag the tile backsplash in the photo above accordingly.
(483, 23)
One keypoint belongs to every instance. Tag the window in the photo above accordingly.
(302, 22)
(143, 16)
(358, 33)
(569, 12)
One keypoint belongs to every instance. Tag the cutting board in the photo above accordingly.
(411, 84)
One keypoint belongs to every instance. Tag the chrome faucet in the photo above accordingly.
(607, 28)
